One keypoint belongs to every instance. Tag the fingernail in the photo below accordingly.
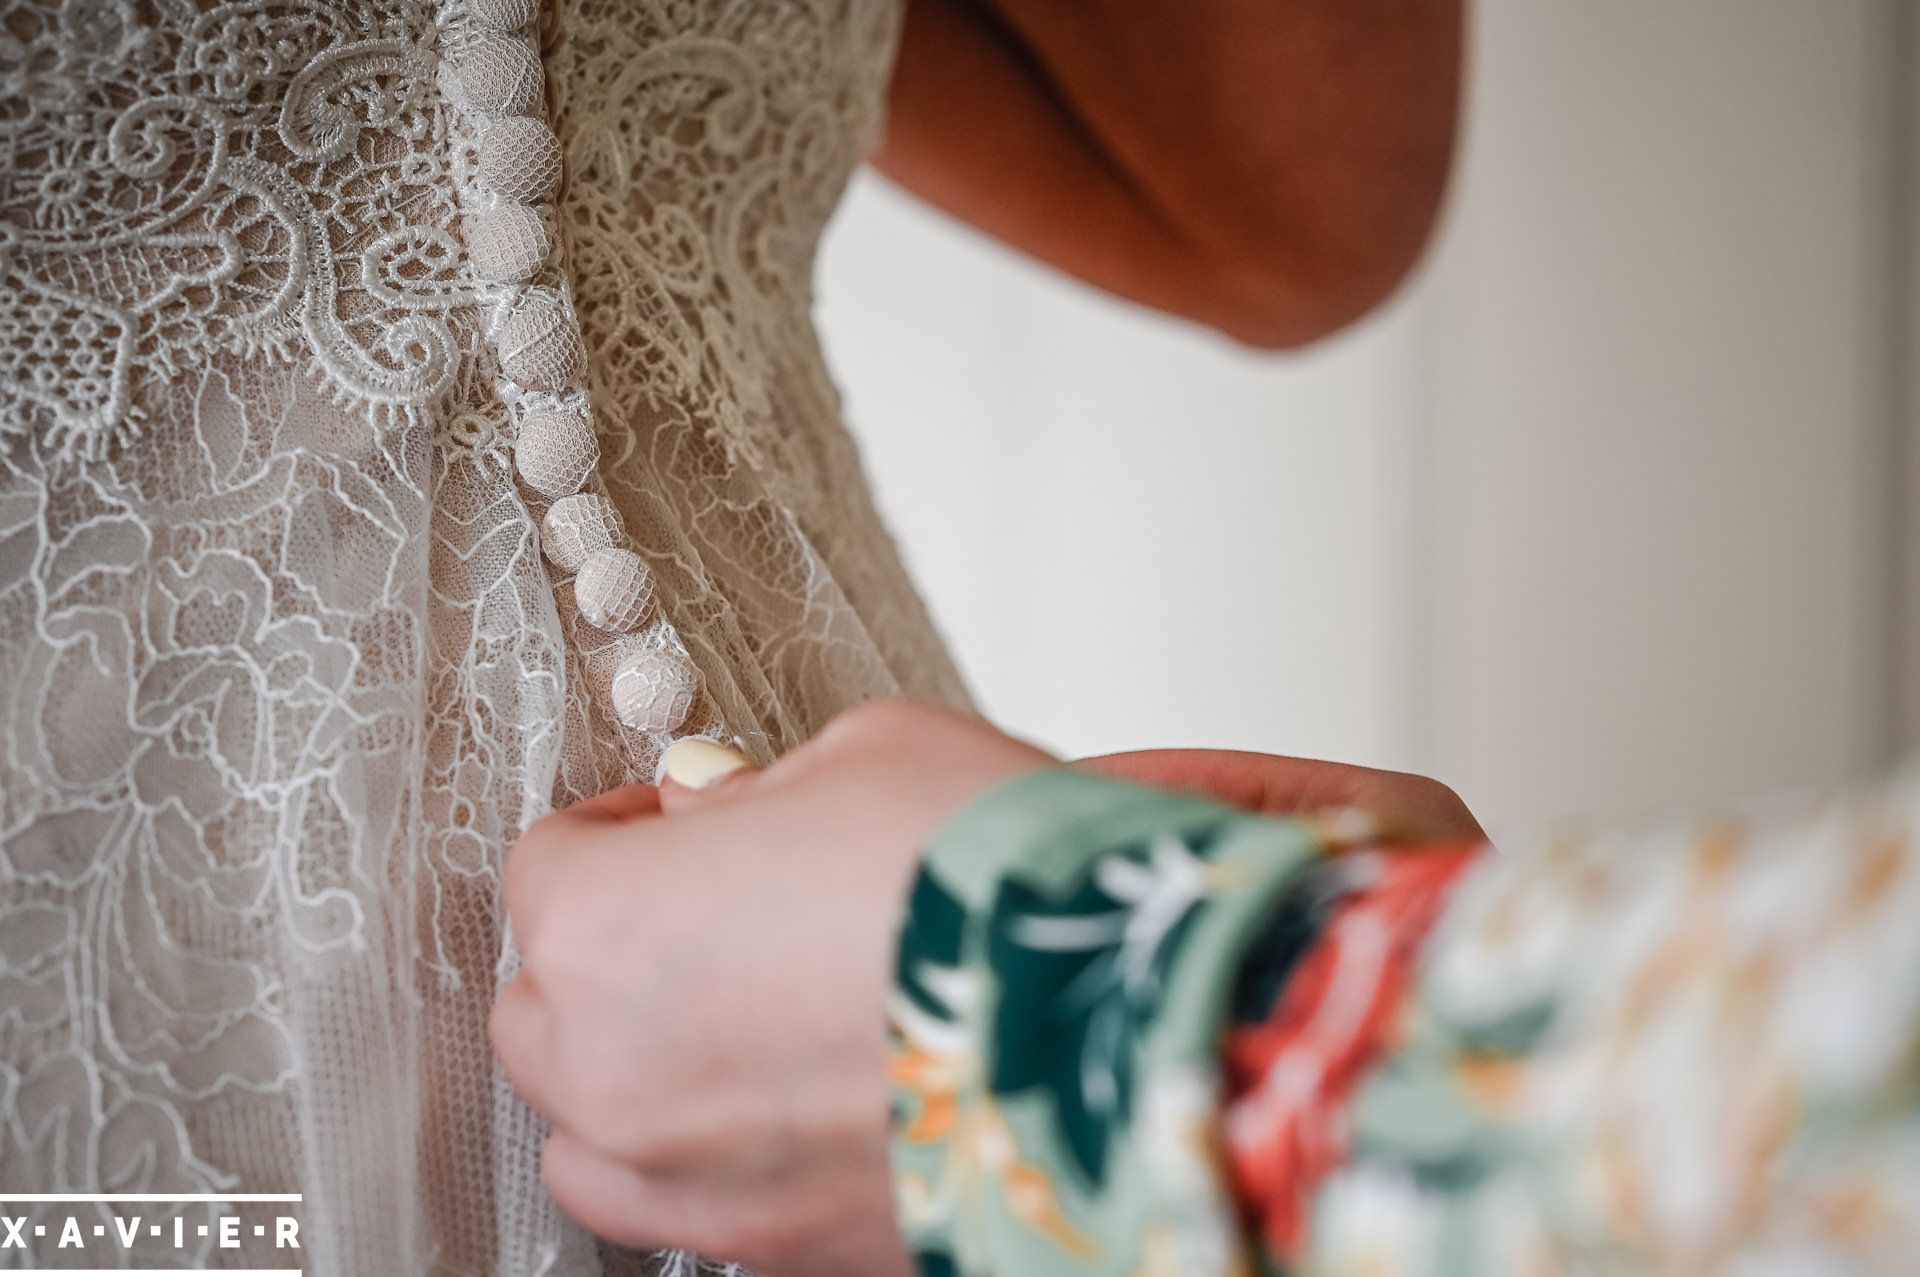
(697, 762)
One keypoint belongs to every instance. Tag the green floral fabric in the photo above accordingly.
(1064, 971)
(1689, 1050)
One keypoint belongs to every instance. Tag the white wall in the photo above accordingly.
(1595, 518)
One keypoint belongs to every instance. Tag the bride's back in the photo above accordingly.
(311, 313)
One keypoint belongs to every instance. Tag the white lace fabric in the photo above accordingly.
(282, 670)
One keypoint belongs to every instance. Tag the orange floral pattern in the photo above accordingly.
(1291, 1074)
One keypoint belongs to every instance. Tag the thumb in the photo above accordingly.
(696, 772)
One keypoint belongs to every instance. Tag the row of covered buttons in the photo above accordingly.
(537, 342)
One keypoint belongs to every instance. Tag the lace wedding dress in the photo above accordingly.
(410, 420)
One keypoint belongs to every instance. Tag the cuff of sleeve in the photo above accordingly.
(1064, 972)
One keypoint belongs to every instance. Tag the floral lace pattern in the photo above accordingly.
(281, 670)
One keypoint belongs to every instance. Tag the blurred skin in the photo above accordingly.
(1404, 808)
(700, 1013)
(1269, 168)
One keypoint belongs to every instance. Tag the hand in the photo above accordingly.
(701, 1013)
(1405, 807)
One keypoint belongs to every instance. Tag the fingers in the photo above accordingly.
(696, 772)
(521, 1031)
(544, 859)
(611, 1198)
(539, 869)
(603, 1194)
(1416, 808)
(1401, 806)
(624, 803)
(1253, 782)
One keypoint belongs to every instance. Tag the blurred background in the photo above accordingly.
(1612, 511)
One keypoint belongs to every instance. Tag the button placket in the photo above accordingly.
(653, 686)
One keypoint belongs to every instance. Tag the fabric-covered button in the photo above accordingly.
(501, 75)
(507, 244)
(654, 689)
(578, 526)
(614, 589)
(502, 15)
(520, 158)
(556, 453)
(539, 344)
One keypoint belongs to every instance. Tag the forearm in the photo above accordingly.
(1432, 1059)
(1268, 169)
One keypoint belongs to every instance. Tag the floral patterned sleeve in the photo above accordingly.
(1137, 1034)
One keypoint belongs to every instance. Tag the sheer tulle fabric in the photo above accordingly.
(282, 671)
